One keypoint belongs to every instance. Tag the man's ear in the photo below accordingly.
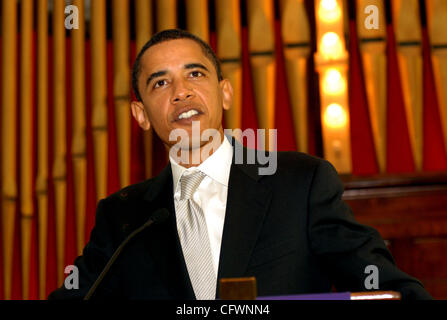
(140, 114)
(227, 93)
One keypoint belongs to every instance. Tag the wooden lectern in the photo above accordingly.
(245, 289)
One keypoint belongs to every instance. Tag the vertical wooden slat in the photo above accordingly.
(143, 21)
(166, 14)
(26, 137)
(296, 38)
(59, 133)
(42, 139)
(99, 94)
(78, 146)
(261, 43)
(407, 26)
(229, 53)
(373, 51)
(121, 85)
(8, 151)
(437, 26)
(197, 18)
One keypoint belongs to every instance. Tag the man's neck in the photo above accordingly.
(196, 156)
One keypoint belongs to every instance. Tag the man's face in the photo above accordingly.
(178, 84)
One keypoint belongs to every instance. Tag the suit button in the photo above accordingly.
(123, 194)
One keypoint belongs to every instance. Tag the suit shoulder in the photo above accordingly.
(129, 193)
(298, 160)
(304, 166)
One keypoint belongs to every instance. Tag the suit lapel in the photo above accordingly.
(247, 203)
(162, 241)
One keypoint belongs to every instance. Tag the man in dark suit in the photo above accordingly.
(290, 229)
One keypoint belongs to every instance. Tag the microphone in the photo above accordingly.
(158, 216)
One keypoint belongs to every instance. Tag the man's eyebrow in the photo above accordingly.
(155, 75)
(196, 65)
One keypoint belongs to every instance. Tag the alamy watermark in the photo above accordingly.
(72, 18)
(372, 280)
(372, 20)
(185, 149)
(72, 279)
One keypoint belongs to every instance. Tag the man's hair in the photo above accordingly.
(166, 35)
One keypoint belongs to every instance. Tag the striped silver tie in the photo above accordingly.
(193, 233)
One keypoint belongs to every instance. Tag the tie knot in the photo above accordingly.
(189, 183)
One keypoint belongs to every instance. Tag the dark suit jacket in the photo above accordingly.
(290, 230)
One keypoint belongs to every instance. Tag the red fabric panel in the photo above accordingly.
(34, 261)
(91, 183)
(70, 222)
(249, 118)
(51, 277)
(137, 143)
(399, 154)
(34, 276)
(435, 158)
(362, 145)
(16, 293)
(16, 290)
(113, 183)
(283, 109)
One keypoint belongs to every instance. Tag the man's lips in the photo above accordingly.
(178, 112)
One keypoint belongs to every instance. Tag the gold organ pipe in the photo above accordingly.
(79, 143)
(121, 85)
(9, 116)
(99, 94)
(42, 139)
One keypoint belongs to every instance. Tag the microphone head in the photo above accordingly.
(160, 215)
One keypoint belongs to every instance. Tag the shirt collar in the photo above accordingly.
(217, 166)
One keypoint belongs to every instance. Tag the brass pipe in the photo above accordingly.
(9, 116)
(26, 140)
(121, 85)
(42, 139)
(59, 134)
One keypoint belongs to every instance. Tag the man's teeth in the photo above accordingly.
(188, 114)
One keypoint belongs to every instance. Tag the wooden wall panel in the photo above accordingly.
(410, 212)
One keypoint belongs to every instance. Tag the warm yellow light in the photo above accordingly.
(331, 46)
(333, 82)
(335, 116)
(329, 11)
(328, 4)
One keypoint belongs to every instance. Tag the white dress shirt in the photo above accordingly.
(211, 195)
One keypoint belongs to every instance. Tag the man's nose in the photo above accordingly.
(182, 91)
